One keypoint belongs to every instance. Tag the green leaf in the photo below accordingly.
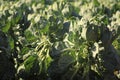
(96, 3)
(29, 36)
(32, 64)
(45, 29)
(6, 27)
(11, 42)
(65, 61)
(24, 50)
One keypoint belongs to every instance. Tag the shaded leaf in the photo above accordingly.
(65, 61)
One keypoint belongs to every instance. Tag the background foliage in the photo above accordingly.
(59, 39)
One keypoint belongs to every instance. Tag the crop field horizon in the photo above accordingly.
(59, 39)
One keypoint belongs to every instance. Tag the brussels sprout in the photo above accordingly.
(90, 34)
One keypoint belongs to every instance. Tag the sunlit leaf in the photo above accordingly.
(6, 27)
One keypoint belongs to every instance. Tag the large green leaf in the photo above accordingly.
(32, 65)
(30, 36)
(96, 3)
(6, 27)
(65, 61)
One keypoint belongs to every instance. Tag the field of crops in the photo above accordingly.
(59, 39)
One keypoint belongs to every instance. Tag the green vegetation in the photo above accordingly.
(59, 40)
